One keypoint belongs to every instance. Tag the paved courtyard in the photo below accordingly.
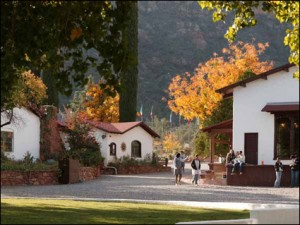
(156, 186)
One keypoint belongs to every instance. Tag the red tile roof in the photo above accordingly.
(120, 128)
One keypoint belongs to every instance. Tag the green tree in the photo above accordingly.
(58, 38)
(129, 72)
(201, 145)
(52, 91)
(285, 11)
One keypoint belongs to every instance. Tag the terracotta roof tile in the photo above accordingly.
(120, 128)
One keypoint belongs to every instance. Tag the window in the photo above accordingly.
(136, 150)
(113, 149)
(7, 141)
(286, 135)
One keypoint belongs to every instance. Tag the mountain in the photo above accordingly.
(174, 37)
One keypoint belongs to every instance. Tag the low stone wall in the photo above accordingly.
(137, 169)
(89, 173)
(14, 178)
(258, 175)
(217, 167)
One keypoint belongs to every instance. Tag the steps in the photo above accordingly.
(209, 177)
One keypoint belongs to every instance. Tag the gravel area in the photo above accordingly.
(156, 186)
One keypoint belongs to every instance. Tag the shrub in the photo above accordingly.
(129, 161)
(4, 158)
(28, 158)
(21, 166)
(83, 146)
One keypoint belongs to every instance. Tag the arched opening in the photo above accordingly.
(136, 149)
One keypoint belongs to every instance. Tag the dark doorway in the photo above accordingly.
(251, 148)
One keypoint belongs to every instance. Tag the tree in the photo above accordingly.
(129, 75)
(30, 90)
(82, 144)
(95, 104)
(52, 92)
(285, 11)
(99, 106)
(171, 143)
(194, 96)
(64, 39)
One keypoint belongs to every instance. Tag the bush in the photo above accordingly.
(28, 158)
(4, 158)
(83, 146)
(21, 166)
(128, 161)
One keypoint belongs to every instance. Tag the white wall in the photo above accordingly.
(103, 143)
(137, 133)
(247, 115)
(26, 134)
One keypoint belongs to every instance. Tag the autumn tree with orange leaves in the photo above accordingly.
(95, 104)
(193, 95)
(29, 90)
(100, 106)
(171, 143)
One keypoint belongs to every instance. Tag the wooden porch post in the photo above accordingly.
(212, 147)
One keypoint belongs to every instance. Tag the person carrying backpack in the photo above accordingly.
(196, 165)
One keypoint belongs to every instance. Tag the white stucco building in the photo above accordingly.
(22, 135)
(266, 115)
(133, 139)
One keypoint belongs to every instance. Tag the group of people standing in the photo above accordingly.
(179, 164)
(237, 160)
(294, 171)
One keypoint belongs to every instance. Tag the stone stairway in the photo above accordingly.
(207, 177)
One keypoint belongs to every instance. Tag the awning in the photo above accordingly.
(225, 126)
(281, 107)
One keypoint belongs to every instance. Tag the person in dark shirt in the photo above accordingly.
(230, 156)
(294, 171)
(278, 170)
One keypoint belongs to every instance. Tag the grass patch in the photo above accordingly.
(42, 211)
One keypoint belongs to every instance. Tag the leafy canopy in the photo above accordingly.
(194, 96)
(171, 143)
(97, 105)
(44, 35)
(285, 11)
(31, 90)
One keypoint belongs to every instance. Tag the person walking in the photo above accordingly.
(278, 170)
(294, 171)
(196, 165)
(177, 163)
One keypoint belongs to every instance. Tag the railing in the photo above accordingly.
(111, 167)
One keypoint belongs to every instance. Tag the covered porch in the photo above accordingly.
(224, 127)
(217, 170)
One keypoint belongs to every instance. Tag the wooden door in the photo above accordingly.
(251, 148)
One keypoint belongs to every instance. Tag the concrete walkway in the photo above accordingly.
(156, 187)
